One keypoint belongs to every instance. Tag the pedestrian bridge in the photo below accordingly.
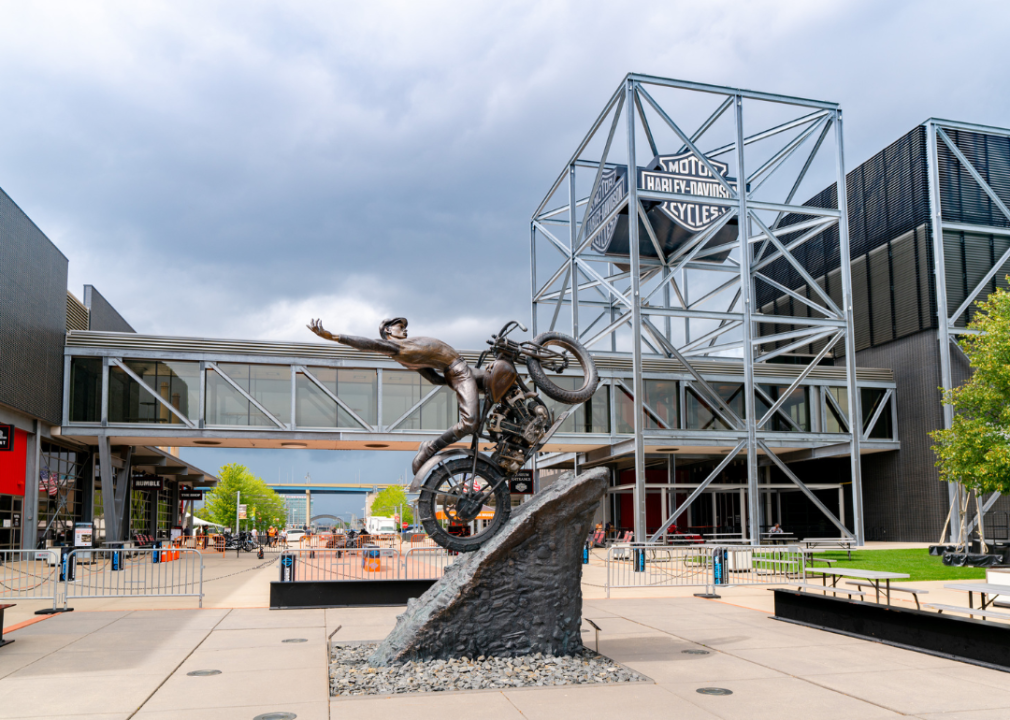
(127, 388)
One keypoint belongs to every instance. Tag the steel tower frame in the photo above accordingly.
(937, 134)
(653, 293)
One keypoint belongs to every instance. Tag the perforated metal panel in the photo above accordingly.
(33, 316)
(104, 317)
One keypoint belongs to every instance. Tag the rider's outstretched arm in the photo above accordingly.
(370, 344)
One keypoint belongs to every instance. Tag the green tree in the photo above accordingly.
(975, 451)
(391, 501)
(257, 496)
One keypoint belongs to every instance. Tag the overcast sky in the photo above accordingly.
(234, 169)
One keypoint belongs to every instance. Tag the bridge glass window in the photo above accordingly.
(700, 413)
(593, 416)
(358, 389)
(797, 408)
(85, 389)
(177, 383)
(269, 385)
(402, 389)
(662, 398)
(870, 400)
(835, 424)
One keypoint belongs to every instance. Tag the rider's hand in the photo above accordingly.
(316, 326)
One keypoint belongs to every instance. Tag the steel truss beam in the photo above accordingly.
(661, 298)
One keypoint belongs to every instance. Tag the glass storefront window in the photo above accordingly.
(402, 389)
(699, 411)
(177, 383)
(10, 521)
(269, 384)
(85, 389)
(357, 388)
(59, 489)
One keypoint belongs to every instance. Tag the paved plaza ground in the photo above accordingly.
(119, 659)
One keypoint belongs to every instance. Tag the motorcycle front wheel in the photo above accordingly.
(451, 498)
(579, 359)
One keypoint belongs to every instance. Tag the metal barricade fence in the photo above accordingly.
(637, 565)
(762, 565)
(367, 563)
(30, 575)
(631, 565)
(133, 572)
(426, 563)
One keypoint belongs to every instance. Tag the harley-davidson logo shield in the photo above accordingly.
(686, 174)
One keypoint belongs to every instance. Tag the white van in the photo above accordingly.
(377, 525)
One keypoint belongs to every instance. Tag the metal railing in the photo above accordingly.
(643, 565)
(30, 575)
(367, 563)
(132, 572)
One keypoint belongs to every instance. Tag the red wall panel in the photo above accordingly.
(12, 466)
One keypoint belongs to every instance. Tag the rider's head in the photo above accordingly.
(395, 328)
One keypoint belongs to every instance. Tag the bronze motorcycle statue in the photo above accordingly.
(459, 484)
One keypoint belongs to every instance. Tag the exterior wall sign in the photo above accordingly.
(144, 481)
(6, 438)
(522, 483)
(188, 494)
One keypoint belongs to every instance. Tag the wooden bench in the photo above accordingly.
(824, 588)
(2, 608)
(969, 611)
(914, 592)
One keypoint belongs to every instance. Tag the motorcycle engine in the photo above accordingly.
(517, 424)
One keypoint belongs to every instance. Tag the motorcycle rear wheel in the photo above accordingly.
(443, 491)
(583, 360)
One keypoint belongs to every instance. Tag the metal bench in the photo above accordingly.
(914, 592)
(2, 608)
(825, 589)
(968, 611)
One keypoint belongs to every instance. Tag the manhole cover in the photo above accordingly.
(715, 691)
(295, 640)
(203, 673)
(276, 716)
(695, 652)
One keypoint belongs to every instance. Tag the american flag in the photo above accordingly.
(50, 482)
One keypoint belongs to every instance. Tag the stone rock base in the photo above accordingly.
(520, 594)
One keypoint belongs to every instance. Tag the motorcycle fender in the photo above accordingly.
(434, 460)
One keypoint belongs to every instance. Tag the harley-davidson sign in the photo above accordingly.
(686, 174)
(673, 222)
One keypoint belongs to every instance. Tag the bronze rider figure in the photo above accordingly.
(436, 361)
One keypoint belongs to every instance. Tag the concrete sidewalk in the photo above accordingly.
(117, 665)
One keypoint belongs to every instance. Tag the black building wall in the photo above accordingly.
(103, 317)
(33, 316)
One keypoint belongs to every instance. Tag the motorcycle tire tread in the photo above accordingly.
(503, 510)
(544, 383)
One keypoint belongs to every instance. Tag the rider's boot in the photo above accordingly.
(431, 447)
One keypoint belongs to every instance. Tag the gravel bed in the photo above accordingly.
(350, 673)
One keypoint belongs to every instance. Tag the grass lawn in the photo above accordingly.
(919, 564)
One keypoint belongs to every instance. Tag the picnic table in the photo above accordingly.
(874, 576)
(982, 589)
(779, 538)
(839, 543)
